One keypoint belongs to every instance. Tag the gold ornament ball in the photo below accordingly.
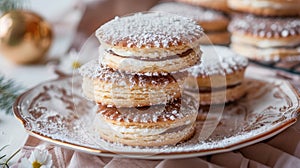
(24, 36)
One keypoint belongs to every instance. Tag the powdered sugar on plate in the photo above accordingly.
(56, 112)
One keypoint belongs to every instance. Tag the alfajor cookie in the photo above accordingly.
(149, 42)
(219, 77)
(157, 125)
(264, 38)
(267, 7)
(211, 4)
(114, 88)
(214, 23)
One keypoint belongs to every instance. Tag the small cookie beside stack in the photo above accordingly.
(220, 76)
(213, 22)
(139, 101)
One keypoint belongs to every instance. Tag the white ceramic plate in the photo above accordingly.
(56, 112)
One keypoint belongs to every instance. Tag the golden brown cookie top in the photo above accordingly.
(270, 27)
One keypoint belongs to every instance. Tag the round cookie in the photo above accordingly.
(157, 125)
(219, 77)
(109, 87)
(212, 4)
(264, 38)
(150, 42)
(214, 23)
(267, 7)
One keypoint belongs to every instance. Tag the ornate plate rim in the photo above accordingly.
(163, 155)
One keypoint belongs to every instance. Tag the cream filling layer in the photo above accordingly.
(148, 52)
(268, 54)
(265, 42)
(144, 131)
(117, 129)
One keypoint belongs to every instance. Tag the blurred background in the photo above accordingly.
(71, 23)
(78, 19)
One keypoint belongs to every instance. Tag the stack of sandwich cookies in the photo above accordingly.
(267, 7)
(264, 38)
(139, 101)
(213, 22)
(220, 5)
(220, 76)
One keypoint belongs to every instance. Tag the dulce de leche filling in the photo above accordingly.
(170, 57)
(210, 89)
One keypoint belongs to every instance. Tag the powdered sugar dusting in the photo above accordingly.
(178, 109)
(218, 60)
(95, 70)
(194, 12)
(265, 26)
(160, 30)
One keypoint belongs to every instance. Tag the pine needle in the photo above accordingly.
(9, 91)
(6, 162)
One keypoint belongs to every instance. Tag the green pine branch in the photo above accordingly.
(9, 91)
(7, 5)
(4, 164)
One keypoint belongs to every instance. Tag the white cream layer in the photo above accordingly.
(117, 129)
(267, 54)
(265, 42)
(148, 52)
